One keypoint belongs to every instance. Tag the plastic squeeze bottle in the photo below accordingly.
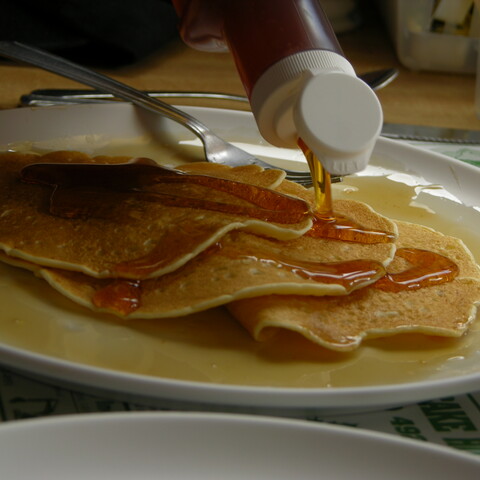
(299, 83)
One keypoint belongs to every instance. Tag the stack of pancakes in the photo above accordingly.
(178, 247)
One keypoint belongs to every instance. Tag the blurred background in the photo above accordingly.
(433, 43)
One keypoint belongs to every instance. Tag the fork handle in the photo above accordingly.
(53, 63)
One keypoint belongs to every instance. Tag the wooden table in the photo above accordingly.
(424, 98)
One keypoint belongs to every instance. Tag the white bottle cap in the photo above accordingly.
(339, 117)
(316, 96)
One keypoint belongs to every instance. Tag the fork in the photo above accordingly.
(47, 97)
(216, 149)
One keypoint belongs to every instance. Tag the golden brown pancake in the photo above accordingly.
(341, 323)
(18, 262)
(300, 284)
(130, 233)
(243, 265)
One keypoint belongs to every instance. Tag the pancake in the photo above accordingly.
(242, 265)
(342, 323)
(134, 232)
(334, 292)
(18, 262)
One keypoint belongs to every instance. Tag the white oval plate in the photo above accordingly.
(214, 446)
(207, 361)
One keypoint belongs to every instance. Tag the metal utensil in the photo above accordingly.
(52, 96)
(216, 149)
(424, 133)
(45, 97)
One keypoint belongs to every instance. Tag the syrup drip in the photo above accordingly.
(76, 185)
(164, 253)
(428, 269)
(123, 296)
(327, 223)
(338, 227)
(348, 274)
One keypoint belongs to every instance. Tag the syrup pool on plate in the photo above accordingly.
(212, 347)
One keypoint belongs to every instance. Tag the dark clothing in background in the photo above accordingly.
(102, 33)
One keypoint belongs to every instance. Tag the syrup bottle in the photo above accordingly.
(295, 74)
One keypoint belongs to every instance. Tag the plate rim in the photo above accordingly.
(235, 430)
(97, 420)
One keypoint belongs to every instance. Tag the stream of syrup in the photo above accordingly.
(426, 268)
(326, 222)
(72, 186)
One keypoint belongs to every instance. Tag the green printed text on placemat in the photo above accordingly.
(469, 155)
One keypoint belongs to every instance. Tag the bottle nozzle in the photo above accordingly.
(315, 95)
(339, 117)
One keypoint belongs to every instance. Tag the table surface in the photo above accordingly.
(422, 98)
